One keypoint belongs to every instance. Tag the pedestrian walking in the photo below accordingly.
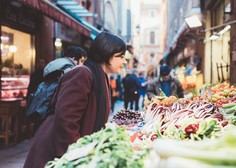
(143, 87)
(131, 90)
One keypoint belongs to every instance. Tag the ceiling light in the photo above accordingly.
(193, 21)
(12, 48)
(58, 42)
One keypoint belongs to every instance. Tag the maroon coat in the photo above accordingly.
(74, 117)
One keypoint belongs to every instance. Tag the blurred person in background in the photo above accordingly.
(143, 87)
(36, 77)
(71, 56)
(131, 90)
(81, 102)
(120, 88)
(166, 83)
(114, 91)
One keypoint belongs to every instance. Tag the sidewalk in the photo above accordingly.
(14, 157)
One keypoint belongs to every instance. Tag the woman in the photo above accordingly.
(81, 102)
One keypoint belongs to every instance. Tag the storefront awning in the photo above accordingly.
(77, 11)
(173, 44)
(57, 14)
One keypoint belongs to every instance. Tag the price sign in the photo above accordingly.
(202, 93)
(209, 93)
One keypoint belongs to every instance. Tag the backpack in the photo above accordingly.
(39, 101)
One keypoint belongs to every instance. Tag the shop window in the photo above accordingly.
(227, 9)
(152, 37)
(17, 55)
(86, 4)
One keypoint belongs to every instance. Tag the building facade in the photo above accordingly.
(146, 33)
(212, 42)
(29, 31)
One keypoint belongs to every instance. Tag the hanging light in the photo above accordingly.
(12, 48)
(214, 36)
(58, 42)
(194, 18)
(224, 30)
(193, 21)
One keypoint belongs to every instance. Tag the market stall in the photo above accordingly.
(170, 132)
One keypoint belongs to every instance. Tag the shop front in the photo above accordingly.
(66, 36)
(186, 58)
(17, 58)
(18, 24)
(27, 35)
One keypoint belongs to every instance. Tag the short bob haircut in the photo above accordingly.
(104, 46)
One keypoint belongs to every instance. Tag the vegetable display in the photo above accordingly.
(211, 152)
(108, 148)
(197, 120)
(200, 131)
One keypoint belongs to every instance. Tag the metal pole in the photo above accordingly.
(211, 64)
(0, 61)
(103, 15)
(95, 13)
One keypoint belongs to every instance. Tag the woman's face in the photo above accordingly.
(117, 62)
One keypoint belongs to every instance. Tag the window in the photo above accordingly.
(86, 4)
(227, 9)
(151, 13)
(152, 37)
(17, 53)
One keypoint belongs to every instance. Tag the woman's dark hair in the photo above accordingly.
(74, 52)
(104, 46)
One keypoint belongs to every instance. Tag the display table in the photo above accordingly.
(9, 109)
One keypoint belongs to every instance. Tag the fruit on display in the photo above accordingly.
(221, 93)
(166, 101)
(187, 85)
(127, 117)
(198, 130)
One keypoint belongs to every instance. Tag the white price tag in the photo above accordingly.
(209, 93)
(202, 92)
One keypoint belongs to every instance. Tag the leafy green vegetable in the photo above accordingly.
(112, 150)
(221, 151)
